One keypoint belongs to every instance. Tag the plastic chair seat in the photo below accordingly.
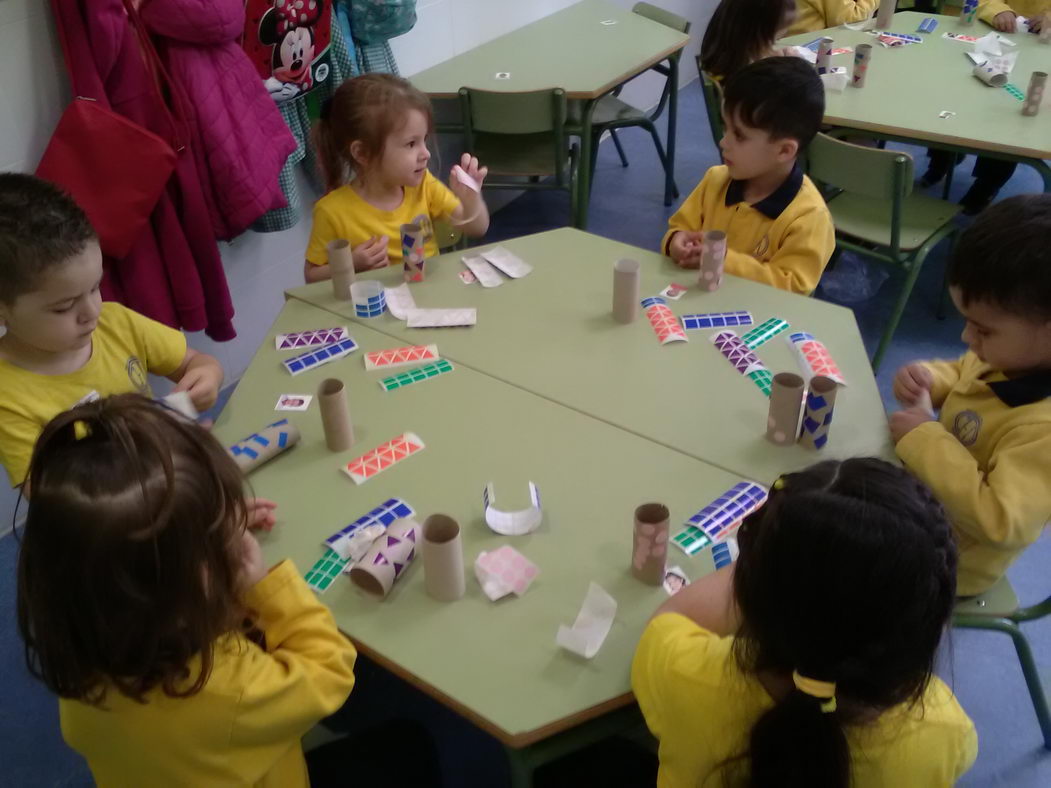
(520, 154)
(999, 601)
(864, 218)
(610, 110)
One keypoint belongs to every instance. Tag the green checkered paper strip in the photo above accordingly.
(1014, 91)
(691, 539)
(764, 379)
(325, 571)
(426, 372)
(764, 332)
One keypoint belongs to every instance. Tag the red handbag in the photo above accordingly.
(115, 169)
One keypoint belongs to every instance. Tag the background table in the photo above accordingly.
(907, 87)
(495, 663)
(552, 333)
(571, 49)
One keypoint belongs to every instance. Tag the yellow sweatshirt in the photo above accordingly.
(988, 460)
(243, 728)
(988, 9)
(784, 240)
(818, 14)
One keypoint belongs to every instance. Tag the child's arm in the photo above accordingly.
(472, 214)
(200, 376)
(838, 12)
(998, 14)
(935, 377)
(1007, 506)
(796, 265)
(681, 242)
(709, 601)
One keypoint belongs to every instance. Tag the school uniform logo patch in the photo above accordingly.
(762, 248)
(137, 376)
(966, 427)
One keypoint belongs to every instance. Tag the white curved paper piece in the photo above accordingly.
(512, 523)
(400, 301)
(593, 623)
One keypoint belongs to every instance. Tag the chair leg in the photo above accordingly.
(1032, 682)
(941, 312)
(899, 310)
(664, 160)
(619, 147)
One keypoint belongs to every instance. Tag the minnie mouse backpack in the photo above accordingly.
(289, 43)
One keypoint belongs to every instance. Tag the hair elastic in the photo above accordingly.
(824, 691)
(81, 429)
(780, 483)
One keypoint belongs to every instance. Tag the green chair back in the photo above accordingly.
(532, 112)
(713, 102)
(873, 172)
(660, 16)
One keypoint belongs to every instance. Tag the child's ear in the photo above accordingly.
(358, 154)
(788, 149)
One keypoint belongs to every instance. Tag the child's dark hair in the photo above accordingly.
(741, 32)
(782, 96)
(1004, 257)
(846, 575)
(131, 557)
(364, 109)
(40, 226)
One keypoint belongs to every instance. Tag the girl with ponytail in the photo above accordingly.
(810, 662)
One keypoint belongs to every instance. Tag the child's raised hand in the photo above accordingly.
(1005, 21)
(685, 248)
(261, 514)
(201, 379)
(911, 383)
(371, 254)
(253, 567)
(469, 167)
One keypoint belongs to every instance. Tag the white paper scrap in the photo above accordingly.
(593, 623)
(461, 175)
(504, 571)
(835, 81)
(441, 318)
(517, 523)
(400, 301)
(508, 262)
(867, 24)
(180, 402)
(483, 270)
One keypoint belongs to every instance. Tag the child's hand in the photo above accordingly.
(1005, 21)
(1039, 22)
(685, 248)
(253, 568)
(469, 166)
(905, 421)
(371, 254)
(261, 514)
(911, 382)
(202, 379)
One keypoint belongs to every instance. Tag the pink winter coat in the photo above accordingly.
(238, 136)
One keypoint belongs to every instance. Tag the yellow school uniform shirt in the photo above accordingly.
(244, 727)
(784, 240)
(988, 460)
(818, 14)
(124, 347)
(342, 213)
(988, 9)
(702, 708)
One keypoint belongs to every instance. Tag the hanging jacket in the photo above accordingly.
(239, 139)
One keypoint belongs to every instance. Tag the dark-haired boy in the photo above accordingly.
(778, 229)
(62, 345)
(988, 455)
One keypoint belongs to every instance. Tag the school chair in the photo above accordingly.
(876, 214)
(522, 139)
(713, 103)
(612, 113)
(998, 610)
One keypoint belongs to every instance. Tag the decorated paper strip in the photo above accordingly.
(817, 413)
(400, 356)
(763, 378)
(442, 318)
(400, 301)
(721, 517)
(315, 358)
(731, 346)
(814, 358)
(382, 457)
(725, 553)
(383, 515)
(387, 559)
(764, 332)
(426, 372)
(325, 571)
(368, 298)
(504, 571)
(650, 543)
(663, 320)
(716, 320)
(593, 623)
(508, 262)
(314, 338)
(442, 550)
(483, 270)
(264, 445)
(517, 523)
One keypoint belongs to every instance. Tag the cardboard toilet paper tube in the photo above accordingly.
(990, 76)
(335, 415)
(786, 402)
(625, 290)
(341, 264)
(970, 10)
(713, 257)
(824, 55)
(817, 412)
(885, 15)
(264, 445)
(412, 252)
(1035, 94)
(442, 548)
(649, 551)
(862, 58)
(387, 559)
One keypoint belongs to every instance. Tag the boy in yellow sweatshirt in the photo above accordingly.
(778, 229)
(987, 456)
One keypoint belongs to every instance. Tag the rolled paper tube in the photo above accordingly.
(335, 415)
(713, 257)
(1035, 95)
(264, 445)
(650, 543)
(442, 549)
(387, 559)
(885, 15)
(625, 290)
(412, 252)
(817, 413)
(368, 298)
(824, 55)
(970, 9)
(990, 76)
(341, 264)
(862, 58)
(786, 401)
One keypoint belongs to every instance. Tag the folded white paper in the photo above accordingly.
(180, 402)
(517, 523)
(482, 270)
(441, 318)
(400, 301)
(508, 262)
(593, 623)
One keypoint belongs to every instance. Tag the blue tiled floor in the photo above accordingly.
(627, 205)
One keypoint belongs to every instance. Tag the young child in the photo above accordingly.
(135, 577)
(372, 139)
(809, 662)
(778, 229)
(987, 456)
(743, 31)
(820, 14)
(63, 345)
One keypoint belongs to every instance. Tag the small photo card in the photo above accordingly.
(293, 401)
